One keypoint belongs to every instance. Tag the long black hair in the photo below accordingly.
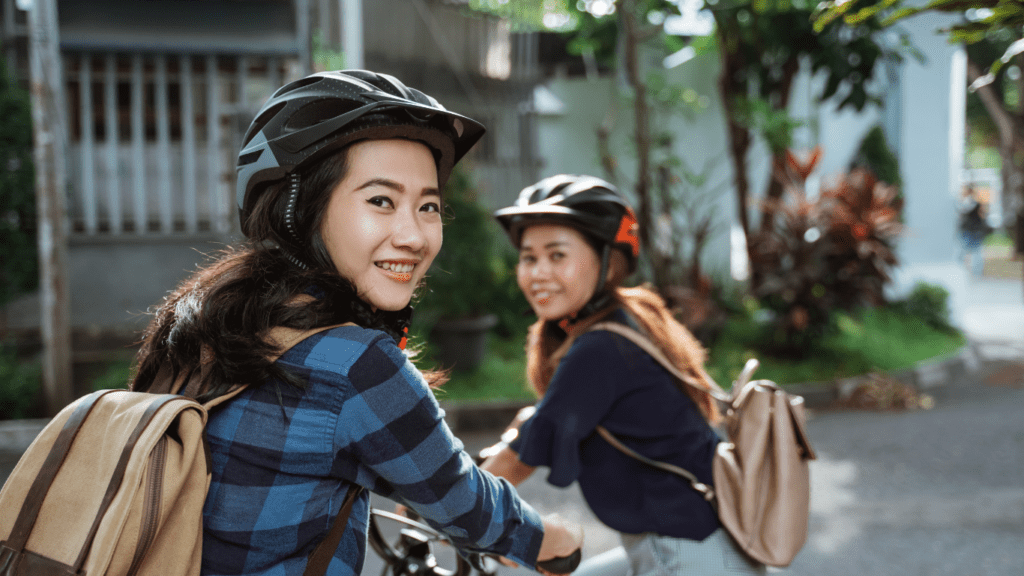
(223, 311)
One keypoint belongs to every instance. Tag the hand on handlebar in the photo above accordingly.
(560, 549)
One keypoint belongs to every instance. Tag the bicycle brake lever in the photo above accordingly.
(563, 564)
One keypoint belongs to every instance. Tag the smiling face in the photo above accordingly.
(557, 270)
(382, 227)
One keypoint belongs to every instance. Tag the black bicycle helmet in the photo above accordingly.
(589, 204)
(306, 120)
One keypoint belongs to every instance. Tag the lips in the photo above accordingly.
(541, 295)
(397, 270)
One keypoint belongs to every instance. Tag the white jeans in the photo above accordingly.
(653, 555)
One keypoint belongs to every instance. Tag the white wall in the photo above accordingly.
(921, 106)
(568, 142)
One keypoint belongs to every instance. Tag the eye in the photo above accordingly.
(431, 207)
(556, 256)
(527, 259)
(381, 202)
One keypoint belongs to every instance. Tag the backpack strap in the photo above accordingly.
(320, 557)
(716, 391)
(44, 479)
(704, 489)
(647, 346)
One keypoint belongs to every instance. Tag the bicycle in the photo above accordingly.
(411, 553)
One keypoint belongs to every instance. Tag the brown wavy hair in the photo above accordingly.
(546, 343)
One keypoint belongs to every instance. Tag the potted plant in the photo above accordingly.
(458, 301)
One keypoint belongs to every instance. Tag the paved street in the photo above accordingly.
(923, 493)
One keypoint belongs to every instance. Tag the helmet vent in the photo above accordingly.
(296, 85)
(262, 121)
(246, 159)
(317, 112)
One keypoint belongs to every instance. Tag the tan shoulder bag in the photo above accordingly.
(115, 485)
(761, 476)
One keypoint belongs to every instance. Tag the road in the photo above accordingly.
(935, 492)
(920, 493)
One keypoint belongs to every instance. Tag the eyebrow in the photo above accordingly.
(396, 186)
(548, 246)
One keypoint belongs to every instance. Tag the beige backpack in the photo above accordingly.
(762, 482)
(115, 485)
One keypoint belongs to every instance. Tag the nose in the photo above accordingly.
(408, 232)
(539, 268)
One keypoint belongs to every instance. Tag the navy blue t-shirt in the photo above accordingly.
(608, 380)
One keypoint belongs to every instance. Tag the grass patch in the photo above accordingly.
(500, 376)
(1000, 239)
(878, 339)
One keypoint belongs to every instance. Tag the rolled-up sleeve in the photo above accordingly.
(393, 427)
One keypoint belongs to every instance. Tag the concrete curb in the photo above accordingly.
(928, 376)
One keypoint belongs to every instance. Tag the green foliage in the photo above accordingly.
(326, 57)
(474, 273)
(774, 125)
(20, 382)
(875, 155)
(930, 303)
(18, 255)
(885, 338)
(501, 375)
(988, 16)
(112, 375)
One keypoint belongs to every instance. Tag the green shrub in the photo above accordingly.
(930, 303)
(20, 383)
(18, 260)
(875, 155)
(113, 375)
(474, 274)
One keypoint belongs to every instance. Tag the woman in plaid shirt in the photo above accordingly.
(338, 191)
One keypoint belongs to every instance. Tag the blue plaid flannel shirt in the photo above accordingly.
(284, 458)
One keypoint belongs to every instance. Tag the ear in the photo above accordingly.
(618, 269)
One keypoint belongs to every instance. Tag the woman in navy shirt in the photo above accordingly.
(577, 241)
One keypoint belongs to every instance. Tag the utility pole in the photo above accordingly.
(49, 151)
(352, 33)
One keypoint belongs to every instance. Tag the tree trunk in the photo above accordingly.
(776, 188)
(738, 135)
(1011, 139)
(642, 130)
(49, 139)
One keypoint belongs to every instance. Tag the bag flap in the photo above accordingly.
(799, 416)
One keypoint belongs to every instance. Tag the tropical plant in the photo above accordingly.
(991, 30)
(762, 45)
(834, 252)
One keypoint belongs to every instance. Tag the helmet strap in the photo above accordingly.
(289, 219)
(289, 212)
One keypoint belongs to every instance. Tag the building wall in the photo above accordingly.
(920, 103)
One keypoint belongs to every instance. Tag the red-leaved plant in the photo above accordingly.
(833, 252)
